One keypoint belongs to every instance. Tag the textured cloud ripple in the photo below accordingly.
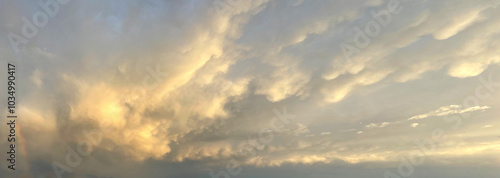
(264, 88)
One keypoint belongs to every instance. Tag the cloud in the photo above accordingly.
(448, 110)
(374, 125)
(182, 86)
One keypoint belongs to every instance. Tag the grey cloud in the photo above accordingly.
(183, 86)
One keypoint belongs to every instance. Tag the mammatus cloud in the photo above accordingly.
(184, 86)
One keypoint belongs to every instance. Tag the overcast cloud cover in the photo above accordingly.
(186, 86)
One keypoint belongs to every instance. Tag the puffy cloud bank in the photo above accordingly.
(180, 85)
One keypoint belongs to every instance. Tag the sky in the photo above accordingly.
(257, 89)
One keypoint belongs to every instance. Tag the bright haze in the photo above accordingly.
(258, 89)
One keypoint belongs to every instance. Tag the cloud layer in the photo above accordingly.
(180, 85)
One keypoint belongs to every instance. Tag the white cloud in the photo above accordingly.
(448, 110)
(227, 72)
(381, 125)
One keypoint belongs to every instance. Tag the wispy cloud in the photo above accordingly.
(448, 110)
